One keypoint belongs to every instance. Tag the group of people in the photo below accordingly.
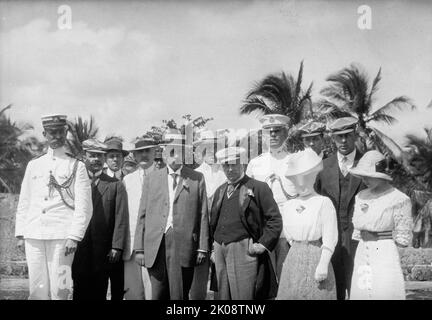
(303, 225)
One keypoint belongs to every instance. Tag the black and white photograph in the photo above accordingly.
(222, 151)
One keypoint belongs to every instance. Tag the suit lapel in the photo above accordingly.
(244, 198)
(332, 175)
(354, 181)
(217, 204)
(181, 184)
(99, 190)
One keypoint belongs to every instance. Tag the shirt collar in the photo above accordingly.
(350, 156)
(171, 171)
(94, 175)
(113, 174)
(147, 170)
(56, 152)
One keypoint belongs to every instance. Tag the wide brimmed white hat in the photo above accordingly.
(373, 165)
(303, 162)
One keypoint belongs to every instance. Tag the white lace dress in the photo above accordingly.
(377, 270)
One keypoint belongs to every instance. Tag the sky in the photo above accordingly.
(132, 64)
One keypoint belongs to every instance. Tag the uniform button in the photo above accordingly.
(46, 198)
(44, 211)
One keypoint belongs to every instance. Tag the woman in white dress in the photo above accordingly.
(382, 223)
(310, 226)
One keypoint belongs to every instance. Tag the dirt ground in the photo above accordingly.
(13, 288)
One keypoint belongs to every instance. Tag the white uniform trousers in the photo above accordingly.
(136, 281)
(50, 275)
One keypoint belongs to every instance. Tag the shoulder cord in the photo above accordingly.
(53, 184)
(274, 177)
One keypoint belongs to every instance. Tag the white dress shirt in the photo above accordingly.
(171, 194)
(41, 214)
(113, 174)
(350, 159)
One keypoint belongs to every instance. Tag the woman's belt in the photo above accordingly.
(375, 236)
(317, 243)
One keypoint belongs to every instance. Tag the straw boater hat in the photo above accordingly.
(115, 144)
(230, 154)
(54, 121)
(303, 162)
(144, 142)
(342, 125)
(311, 129)
(373, 164)
(93, 145)
(274, 120)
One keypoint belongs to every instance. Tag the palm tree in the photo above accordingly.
(350, 94)
(80, 131)
(15, 152)
(420, 188)
(281, 94)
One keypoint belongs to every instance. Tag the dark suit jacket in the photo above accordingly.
(107, 228)
(260, 216)
(327, 184)
(190, 216)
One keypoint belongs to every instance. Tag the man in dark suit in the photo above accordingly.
(341, 187)
(172, 234)
(98, 256)
(246, 225)
(114, 158)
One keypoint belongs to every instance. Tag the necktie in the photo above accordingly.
(174, 176)
(344, 168)
(230, 190)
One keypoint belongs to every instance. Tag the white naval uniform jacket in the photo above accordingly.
(44, 216)
(272, 163)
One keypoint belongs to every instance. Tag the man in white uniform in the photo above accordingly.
(214, 176)
(54, 210)
(137, 281)
(270, 167)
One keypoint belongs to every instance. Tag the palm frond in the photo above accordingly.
(5, 108)
(387, 145)
(398, 103)
(382, 118)
(374, 87)
(255, 104)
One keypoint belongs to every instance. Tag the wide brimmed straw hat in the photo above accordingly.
(144, 142)
(373, 164)
(302, 162)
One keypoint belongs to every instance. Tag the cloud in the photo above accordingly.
(133, 65)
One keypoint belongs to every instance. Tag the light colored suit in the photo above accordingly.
(190, 232)
(137, 281)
